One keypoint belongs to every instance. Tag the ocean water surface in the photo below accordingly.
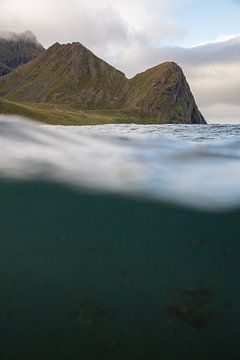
(192, 165)
(119, 241)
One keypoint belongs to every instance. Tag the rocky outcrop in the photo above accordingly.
(163, 91)
(71, 74)
(17, 49)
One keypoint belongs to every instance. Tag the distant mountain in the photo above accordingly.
(72, 75)
(17, 49)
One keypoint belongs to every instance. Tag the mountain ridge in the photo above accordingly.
(70, 74)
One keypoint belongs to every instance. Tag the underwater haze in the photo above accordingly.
(119, 241)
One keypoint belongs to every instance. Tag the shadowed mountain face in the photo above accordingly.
(72, 75)
(17, 49)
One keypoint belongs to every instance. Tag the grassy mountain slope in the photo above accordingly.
(163, 90)
(69, 74)
(71, 77)
(66, 115)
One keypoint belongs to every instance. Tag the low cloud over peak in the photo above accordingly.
(27, 36)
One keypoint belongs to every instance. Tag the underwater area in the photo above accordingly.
(119, 242)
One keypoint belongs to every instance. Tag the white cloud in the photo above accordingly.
(64, 20)
(222, 113)
(115, 30)
(226, 37)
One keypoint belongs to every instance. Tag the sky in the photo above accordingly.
(203, 37)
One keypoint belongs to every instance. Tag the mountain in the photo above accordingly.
(66, 74)
(71, 75)
(164, 92)
(17, 49)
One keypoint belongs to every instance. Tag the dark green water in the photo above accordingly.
(88, 276)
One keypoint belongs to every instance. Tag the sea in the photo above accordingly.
(119, 241)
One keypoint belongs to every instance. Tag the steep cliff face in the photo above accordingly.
(71, 74)
(164, 92)
(17, 49)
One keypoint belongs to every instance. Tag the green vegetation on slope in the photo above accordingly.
(163, 90)
(69, 84)
(66, 74)
(65, 115)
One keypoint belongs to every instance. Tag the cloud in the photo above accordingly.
(26, 36)
(214, 74)
(107, 27)
(91, 22)
(223, 113)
